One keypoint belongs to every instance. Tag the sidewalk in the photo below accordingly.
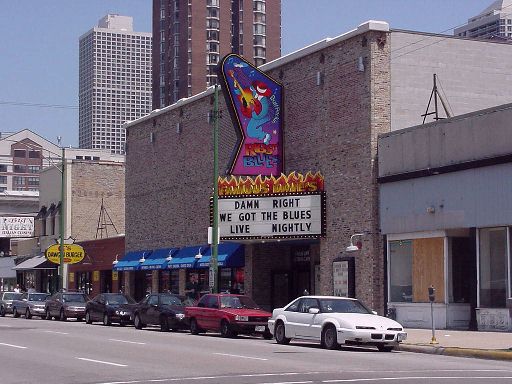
(483, 345)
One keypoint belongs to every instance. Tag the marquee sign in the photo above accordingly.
(16, 226)
(255, 102)
(293, 183)
(299, 215)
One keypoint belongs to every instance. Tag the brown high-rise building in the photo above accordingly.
(191, 36)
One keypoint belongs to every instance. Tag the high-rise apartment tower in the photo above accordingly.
(191, 36)
(115, 82)
(494, 22)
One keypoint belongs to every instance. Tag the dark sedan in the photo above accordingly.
(66, 304)
(163, 309)
(110, 308)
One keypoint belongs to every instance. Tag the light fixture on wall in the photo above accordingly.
(169, 258)
(142, 259)
(115, 261)
(199, 255)
(354, 247)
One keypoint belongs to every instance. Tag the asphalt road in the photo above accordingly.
(41, 351)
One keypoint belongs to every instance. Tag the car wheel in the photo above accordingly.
(194, 328)
(15, 312)
(2, 312)
(47, 314)
(137, 322)
(385, 348)
(225, 329)
(88, 319)
(27, 314)
(329, 338)
(164, 324)
(62, 316)
(106, 319)
(280, 334)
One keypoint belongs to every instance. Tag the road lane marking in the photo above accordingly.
(417, 378)
(57, 332)
(240, 356)
(5, 326)
(129, 342)
(13, 346)
(102, 362)
(211, 377)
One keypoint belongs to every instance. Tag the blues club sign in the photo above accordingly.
(255, 101)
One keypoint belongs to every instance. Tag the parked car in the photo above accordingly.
(228, 314)
(66, 304)
(110, 308)
(6, 299)
(332, 321)
(163, 309)
(30, 304)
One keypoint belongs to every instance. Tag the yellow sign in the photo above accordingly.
(73, 253)
(71, 277)
(114, 276)
(96, 276)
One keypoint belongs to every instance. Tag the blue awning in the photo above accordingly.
(229, 255)
(130, 262)
(186, 257)
(158, 258)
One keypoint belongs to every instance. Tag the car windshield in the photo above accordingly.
(37, 296)
(342, 306)
(237, 302)
(120, 299)
(170, 300)
(75, 298)
(12, 296)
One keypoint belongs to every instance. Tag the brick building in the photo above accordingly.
(92, 178)
(190, 38)
(340, 94)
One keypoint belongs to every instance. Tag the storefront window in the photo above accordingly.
(400, 270)
(168, 281)
(493, 267)
(84, 282)
(415, 265)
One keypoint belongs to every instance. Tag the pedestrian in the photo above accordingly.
(32, 289)
(192, 288)
(17, 289)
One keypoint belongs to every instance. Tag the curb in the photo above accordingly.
(490, 354)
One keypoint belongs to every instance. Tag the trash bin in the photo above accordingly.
(391, 313)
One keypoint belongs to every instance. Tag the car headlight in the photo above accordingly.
(241, 318)
(180, 316)
(118, 312)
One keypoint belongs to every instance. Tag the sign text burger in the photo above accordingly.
(73, 253)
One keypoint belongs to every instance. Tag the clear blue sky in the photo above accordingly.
(39, 45)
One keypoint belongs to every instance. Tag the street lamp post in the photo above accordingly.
(215, 229)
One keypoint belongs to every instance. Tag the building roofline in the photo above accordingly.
(480, 112)
(431, 34)
(371, 25)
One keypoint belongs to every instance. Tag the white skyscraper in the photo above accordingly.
(494, 22)
(115, 81)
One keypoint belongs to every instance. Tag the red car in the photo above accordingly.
(228, 314)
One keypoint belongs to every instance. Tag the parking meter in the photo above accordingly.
(431, 293)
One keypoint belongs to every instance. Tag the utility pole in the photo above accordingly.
(61, 221)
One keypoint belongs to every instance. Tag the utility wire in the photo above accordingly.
(38, 105)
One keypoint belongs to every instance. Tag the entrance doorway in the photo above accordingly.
(280, 289)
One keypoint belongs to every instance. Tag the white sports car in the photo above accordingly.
(332, 321)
